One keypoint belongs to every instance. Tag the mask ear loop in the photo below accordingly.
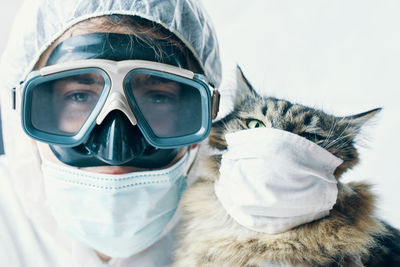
(193, 155)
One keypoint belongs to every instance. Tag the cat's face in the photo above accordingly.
(335, 134)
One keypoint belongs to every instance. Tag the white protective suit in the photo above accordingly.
(29, 236)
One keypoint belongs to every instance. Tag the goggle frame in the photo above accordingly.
(117, 71)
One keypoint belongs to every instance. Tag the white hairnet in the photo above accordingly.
(40, 22)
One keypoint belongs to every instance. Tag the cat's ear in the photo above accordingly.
(243, 85)
(358, 120)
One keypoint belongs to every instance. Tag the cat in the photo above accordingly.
(350, 236)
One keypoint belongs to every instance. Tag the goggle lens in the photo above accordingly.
(170, 108)
(62, 105)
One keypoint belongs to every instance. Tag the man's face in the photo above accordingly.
(75, 98)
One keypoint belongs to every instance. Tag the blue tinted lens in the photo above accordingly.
(61, 104)
(168, 105)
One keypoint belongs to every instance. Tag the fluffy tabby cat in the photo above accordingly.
(350, 236)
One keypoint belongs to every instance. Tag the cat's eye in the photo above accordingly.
(255, 124)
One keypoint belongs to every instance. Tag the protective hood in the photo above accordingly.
(40, 22)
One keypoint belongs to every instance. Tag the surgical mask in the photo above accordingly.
(272, 180)
(112, 99)
(118, 215)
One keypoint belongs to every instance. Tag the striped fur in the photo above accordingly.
(349, 236)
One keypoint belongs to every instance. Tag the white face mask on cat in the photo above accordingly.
(272, 180)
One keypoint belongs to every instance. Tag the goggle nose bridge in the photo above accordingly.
(116, 99)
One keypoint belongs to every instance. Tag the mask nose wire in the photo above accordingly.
(116, 101)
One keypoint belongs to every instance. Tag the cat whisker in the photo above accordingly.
(330, 133)
(339, 138)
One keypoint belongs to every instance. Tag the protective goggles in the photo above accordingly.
(62, 103)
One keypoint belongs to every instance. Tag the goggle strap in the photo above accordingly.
(14, 98)
(215, 103)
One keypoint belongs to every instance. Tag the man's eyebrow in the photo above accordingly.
(150, 79)
(85, 79)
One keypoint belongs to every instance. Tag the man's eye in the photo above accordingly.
(161, 98)
(81, 97)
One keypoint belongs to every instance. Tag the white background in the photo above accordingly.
(342, 56)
